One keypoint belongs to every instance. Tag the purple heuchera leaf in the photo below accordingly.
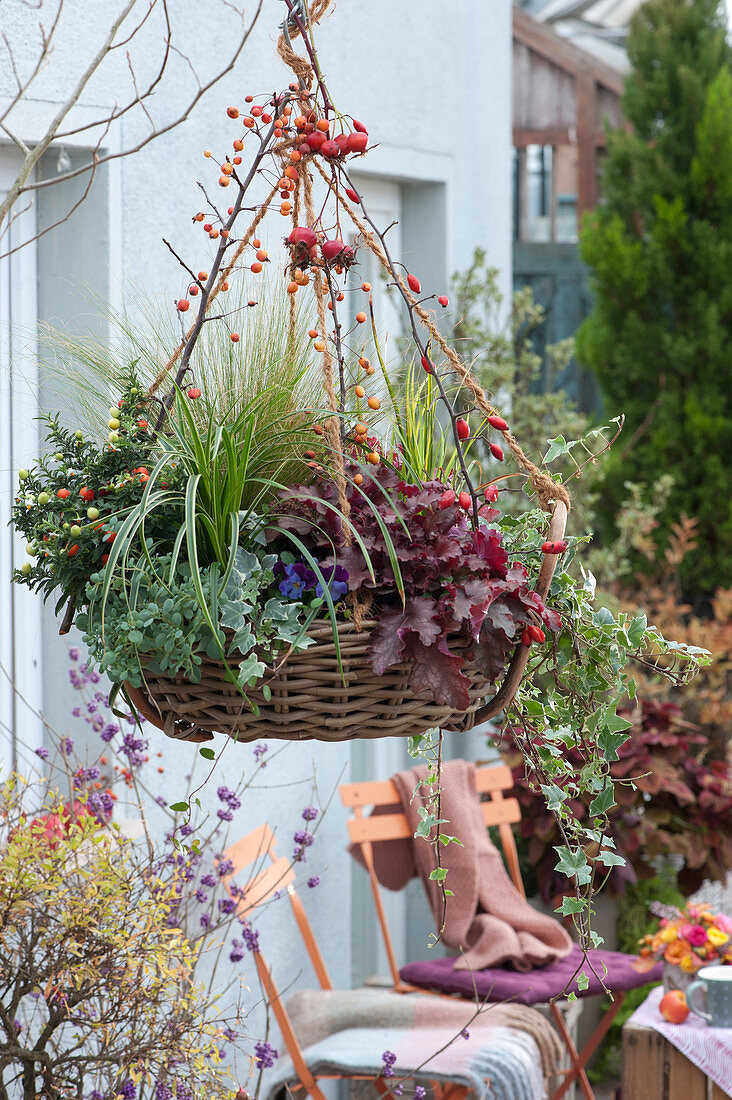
(436, 669)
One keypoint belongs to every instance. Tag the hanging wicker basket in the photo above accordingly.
(312, 699)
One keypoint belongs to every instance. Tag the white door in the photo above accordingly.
(20, 610)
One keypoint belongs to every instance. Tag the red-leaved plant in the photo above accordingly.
(680, 804)
(456, 580)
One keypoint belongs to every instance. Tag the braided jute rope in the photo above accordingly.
(223, 276)
(548, 491)
(301, 66)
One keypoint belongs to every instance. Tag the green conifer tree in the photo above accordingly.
(660, 250)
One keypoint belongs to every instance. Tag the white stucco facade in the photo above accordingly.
(431, 79)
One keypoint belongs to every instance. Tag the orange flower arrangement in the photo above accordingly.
(689, 939)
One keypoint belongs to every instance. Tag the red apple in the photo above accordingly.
(673, 1006)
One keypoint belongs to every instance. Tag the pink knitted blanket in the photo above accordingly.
(487, 918)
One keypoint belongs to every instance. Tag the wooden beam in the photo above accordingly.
(550, 45)
(586, 151)
(547, 135)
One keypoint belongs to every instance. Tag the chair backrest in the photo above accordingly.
(268, 875)
(366, 831)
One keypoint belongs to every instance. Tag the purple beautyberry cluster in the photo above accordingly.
(265, 1054)
(388, 1059)
(231, 802)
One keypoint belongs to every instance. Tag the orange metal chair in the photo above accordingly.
(270, 874)
(498, 810)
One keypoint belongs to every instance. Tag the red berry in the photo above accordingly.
(331, 149)
(491, 493)
(234, 337)
(557, 547)
(414, 284)
(110, 537)
(496, 452)
(536, 633)
(143, 424)
(359, 127)
(73, 550)
(194, 392)
(426, 364)
(357, 143)
(526, 639)
(62, 494)
(316, 140)
(498, 422)
(443, 300)
(331, 249)
(447, 499)
(183, 305)
(302, 234)
(105, 559)
(86, 494)
(141, 470)
(193, 290)
(342, 143)
(463, 428)
(352, 195)
(465, 501)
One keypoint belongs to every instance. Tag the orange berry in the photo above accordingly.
(360, 317)
(366, 287)
(323, 125)
(224, 233)
(202, 276)
(374, 403)
(371, 370)
(358, 479)
(373, 458)
(285, 208)
(317, 429)
(261, 255)
(249, 122)
(214, 234)
(300, 122)
(234, 337)
(319, 345)
(340, 297)
(312, 333)
(360, 391)
(256, 243)
(256, 268)
(330, 305)
(232, 112)
(363, 362)
(236, 160)
(198, 217)
(295, 155)
(292, 288)
(291, 172)
(238, 145)
(224, 286)
(224, 181)
(362, 429)
(207, 152)
(227, 168)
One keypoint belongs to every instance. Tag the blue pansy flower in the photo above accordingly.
(298, 577)
(337, 582)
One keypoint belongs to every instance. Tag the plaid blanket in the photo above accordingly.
(505, 1052)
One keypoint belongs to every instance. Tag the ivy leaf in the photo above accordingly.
(179, 807)
(571, 905)
(573, 864)
(603, 801)
(208, 753)
(557, 447)
(610, 859)
(582, 980)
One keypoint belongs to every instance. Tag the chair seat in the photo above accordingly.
(534, 986)
(501, 1064)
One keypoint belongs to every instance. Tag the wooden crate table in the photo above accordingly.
(664, 1061)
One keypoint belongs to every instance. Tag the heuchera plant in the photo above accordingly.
(454, 578)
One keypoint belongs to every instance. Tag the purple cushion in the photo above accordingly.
(535, 986)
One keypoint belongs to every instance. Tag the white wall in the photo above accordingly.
(431, 80)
